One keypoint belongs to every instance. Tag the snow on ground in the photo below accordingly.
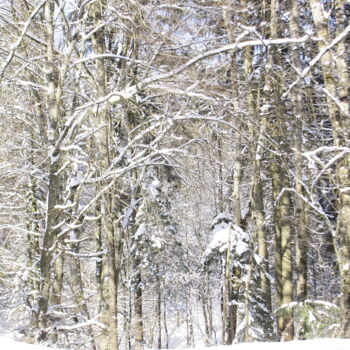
(314, 344)
(6, 343)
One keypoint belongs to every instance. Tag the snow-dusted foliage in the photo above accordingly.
(226, 235)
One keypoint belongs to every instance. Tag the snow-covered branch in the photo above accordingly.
(316, 59)
(20, 38)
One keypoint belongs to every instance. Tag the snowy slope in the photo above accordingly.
(6, 343)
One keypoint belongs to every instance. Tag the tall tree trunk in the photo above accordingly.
(335, 73)
(301, 242)
(74, 266)
(232, 275)
(33, 246)
(267, 111)
(259, 226)
(49, 248)
(280, 181)
(343, 169)
(109, 273)
(257, 131)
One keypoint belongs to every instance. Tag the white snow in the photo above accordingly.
(153, 189)
(317, 344)
(241, 247)
(157, 242)
(6, 343)
(228, 235)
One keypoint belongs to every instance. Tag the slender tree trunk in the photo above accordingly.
(257, 132)
(280, 181)
(207, 311)
(33, 247)
(139, 338)
(159, 311)
(301, 242)
(335, 74)
(259, 227)
(227, 332)
(128, 315)
(189, 321)
(283, 248)
(165, 327)
(109, 274)
(232, 275)
(247, 317)
(57, 284)
(231, 284)
(52, 219)
(33, 251)
(75, 270)
(206, 321)
(259, 214)
(206, 304)
(221, 200)
(286, 250)
(343, 169)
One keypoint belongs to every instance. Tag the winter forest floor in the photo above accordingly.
(7, 343)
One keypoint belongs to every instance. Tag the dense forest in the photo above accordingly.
(174, 171)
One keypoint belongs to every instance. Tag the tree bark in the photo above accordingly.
(301, 242)
(232, 275)
(139, 337)
(280, 180)
(33, 250)
(335, 74)
(49, 248)
(159, 311)
(110, 272)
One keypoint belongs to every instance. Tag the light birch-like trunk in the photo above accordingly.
(336, 77)
(108, 340)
